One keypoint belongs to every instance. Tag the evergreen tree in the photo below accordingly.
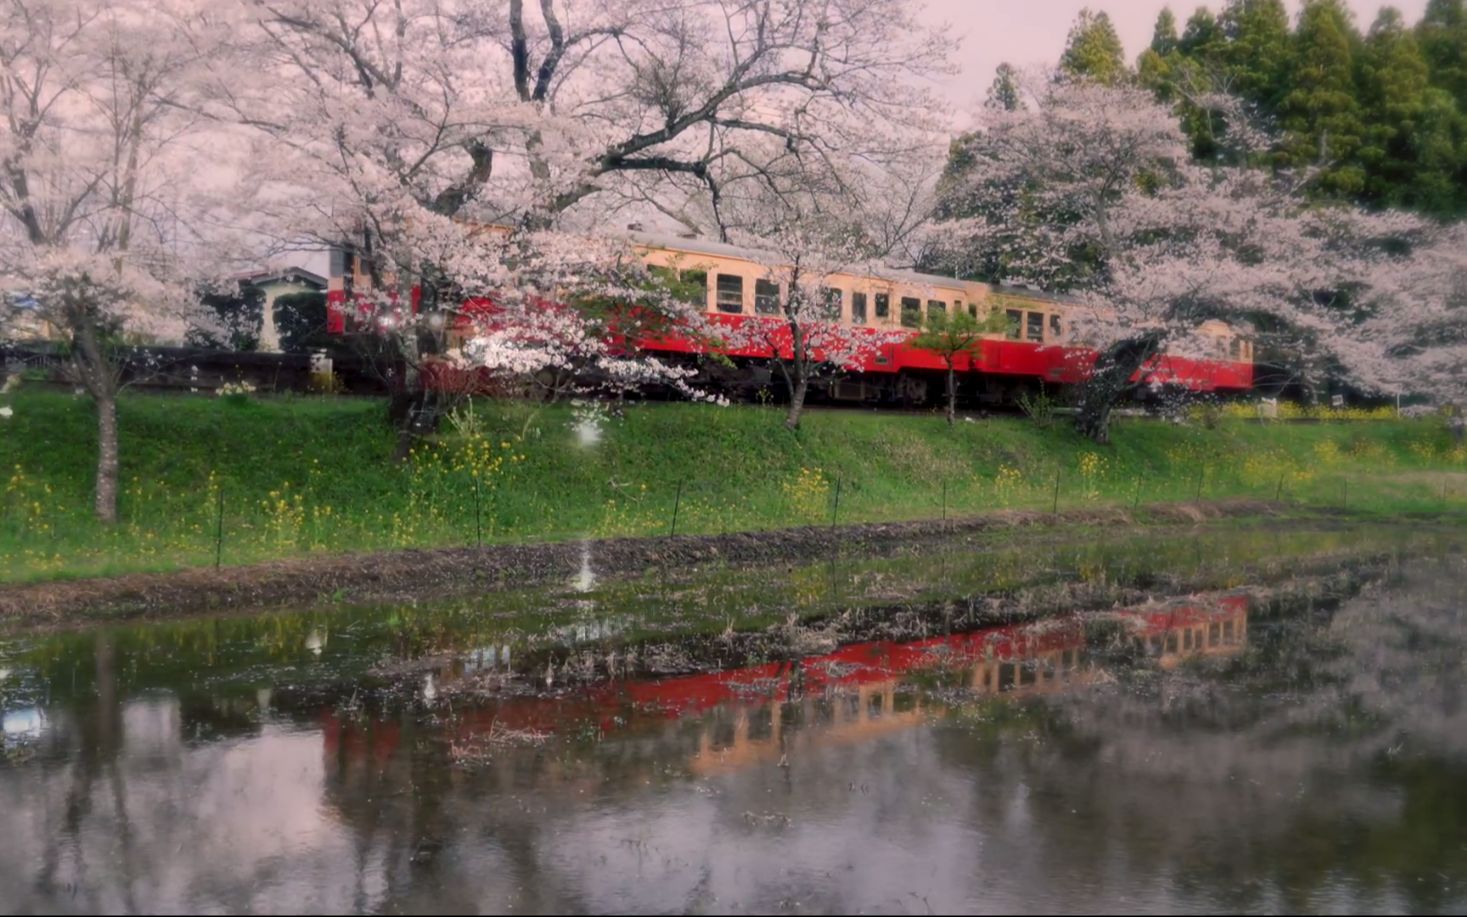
(1004, 93)
(1156, 67)
(1202, 39)
(1157, 72)
(1256, 50)
(1188, 76)
(1393, 85)
(1094, 50)
(1320, 113)
(1164, 38)
(1442, 34)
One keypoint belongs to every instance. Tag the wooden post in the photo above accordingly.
(478, 516)
(835, 510)
(1054, 510)
(677, 501)
(944, 500)
(1279, 493)
(219, 529)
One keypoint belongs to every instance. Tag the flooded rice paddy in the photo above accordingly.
(1211, 719)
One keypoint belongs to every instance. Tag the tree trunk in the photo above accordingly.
(952, 395)
(106, 499)
(99, 377)
(411, 407)
(1109, 382)
(797, 402)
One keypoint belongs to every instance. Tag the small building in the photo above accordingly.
(274, 284)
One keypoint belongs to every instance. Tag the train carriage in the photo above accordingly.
(734, 286)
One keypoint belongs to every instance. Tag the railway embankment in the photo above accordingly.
(307, 487)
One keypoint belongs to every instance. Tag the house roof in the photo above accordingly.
(283, 275)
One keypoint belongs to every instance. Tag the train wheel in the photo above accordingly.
(912, 391)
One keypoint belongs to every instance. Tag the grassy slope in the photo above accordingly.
(314, 474)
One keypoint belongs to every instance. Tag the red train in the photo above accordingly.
(733, 287)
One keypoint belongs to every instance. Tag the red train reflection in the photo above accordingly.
(845, 695)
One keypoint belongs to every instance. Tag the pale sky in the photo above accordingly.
(1025, 32)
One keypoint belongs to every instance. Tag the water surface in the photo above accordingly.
(1202, 754)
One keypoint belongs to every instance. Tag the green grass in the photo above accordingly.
(303, 475)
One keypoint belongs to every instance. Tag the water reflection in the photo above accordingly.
(1182, 756)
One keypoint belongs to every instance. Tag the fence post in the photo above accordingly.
(1054, 510)
(1201, 473)
(1344, 493)
(219, 529)
(478, 515)
(1279, 493)
(835, 510)
(944, 500)
(1136, 503)
(677, 501)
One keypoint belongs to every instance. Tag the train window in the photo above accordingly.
(973, 309)
(911, 311)
(1054, 327)
(1035, 330)
(1015, 326)
(858, 308)
(936, 307)
(694, 287)
(730, 293)
(883, 305)
(831, 298)
(1235, 348)
(766, 297)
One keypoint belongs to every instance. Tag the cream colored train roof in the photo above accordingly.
(757, 256)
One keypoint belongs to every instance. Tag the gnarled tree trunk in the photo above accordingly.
(1110, 381)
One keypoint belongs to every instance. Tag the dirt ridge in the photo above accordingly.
(444, 571)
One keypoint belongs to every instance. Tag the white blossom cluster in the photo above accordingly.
(1091, 188)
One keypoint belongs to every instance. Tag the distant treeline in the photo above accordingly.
(1382, 115)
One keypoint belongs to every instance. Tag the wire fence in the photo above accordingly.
(231, 522)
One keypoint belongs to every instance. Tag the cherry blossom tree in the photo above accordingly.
(403, 124)
(99, 212)
(1414, 341)
(800, 326)
(1090, 189)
